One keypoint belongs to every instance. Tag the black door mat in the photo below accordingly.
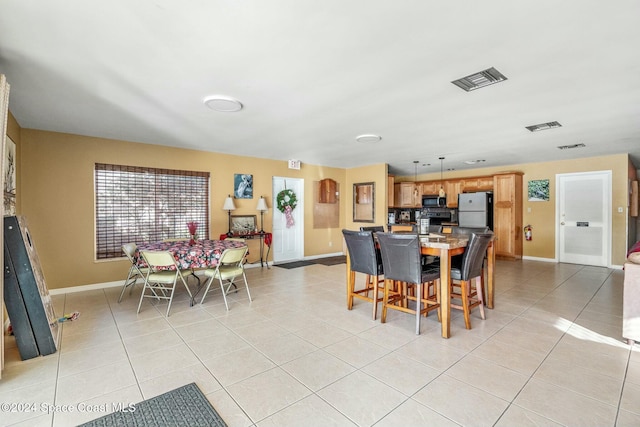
(329, 261)
(295, 264)
(332, 260)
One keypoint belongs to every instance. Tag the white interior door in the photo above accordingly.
(288, 242)
(584, 223)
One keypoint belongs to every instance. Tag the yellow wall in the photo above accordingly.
(57, 197)
(55, 193)
(373, 173)
(542, 217)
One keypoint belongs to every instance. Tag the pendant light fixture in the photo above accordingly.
(415, 179)
(441, 193)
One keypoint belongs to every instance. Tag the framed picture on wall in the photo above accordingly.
(243, 186)
(538, 190)
(243, 224)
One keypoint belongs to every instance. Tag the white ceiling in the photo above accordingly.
(313, 75)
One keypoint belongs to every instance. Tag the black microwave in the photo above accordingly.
(434, 202)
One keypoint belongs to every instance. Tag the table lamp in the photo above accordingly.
(262, 207)
(229, 206)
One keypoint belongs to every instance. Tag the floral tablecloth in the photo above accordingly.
(202, 254)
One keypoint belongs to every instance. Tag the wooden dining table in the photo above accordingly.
(445, 247)
(197, 255)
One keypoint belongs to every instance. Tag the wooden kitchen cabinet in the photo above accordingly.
(430, 188)
(507, 215)
(390, 191)
(470, 185)
(453, 188)
(407, 195)
(485, 183)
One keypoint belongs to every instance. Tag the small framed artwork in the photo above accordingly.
(538, 190)
(243, 224)
(243, 186)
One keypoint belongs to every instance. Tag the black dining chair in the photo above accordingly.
(373, 228)
(364, 258)
(468, 231)
(401, 259)
(470, 269)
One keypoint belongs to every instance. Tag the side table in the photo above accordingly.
(265, 239)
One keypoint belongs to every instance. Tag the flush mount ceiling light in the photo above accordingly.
(473, 162)
(480, 79)
(567, 147)
(368, 138)
(544, 126)
(222, 103)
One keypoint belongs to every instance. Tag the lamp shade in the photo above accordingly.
(228, 204)
(262, 205)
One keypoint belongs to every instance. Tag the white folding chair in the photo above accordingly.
(229, 267)
(162, 277)
(135, 272)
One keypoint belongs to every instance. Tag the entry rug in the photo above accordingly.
(185, 406)
(295, 264)
(332, 260)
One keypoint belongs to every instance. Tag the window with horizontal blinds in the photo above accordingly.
(139, 204)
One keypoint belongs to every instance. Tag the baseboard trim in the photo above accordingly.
(533, 258)
(81, 288)
(96, 286)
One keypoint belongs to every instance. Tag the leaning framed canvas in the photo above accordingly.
(243, 186)
(243, 224)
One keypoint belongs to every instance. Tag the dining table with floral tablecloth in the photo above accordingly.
(198, 255)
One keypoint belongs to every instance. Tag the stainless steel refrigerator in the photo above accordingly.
(475, 210)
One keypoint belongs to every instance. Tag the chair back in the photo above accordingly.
(362, 252)
(159, 260)
(233, 256)
(373, 228)
(435, 228)
(401, 256)
(473, 256)
(129, 250)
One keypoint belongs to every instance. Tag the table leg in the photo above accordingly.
(261, 250)
(266, 258)
(351, 277)
(445, 292)
(491, 272)
(418, 307)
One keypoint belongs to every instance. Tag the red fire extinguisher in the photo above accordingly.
(527, 233)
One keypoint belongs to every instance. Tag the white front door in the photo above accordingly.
(584, 223)
(288, 241)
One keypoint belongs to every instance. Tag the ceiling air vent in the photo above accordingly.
(566, 147)
(480, 79)
(544, 126)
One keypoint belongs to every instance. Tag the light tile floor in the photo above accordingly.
(549, 354)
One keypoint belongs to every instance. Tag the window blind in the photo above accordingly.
(140, 204)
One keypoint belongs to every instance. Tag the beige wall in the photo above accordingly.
(57, 197)
(55, 193)
(542, 215)
(373, 173)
